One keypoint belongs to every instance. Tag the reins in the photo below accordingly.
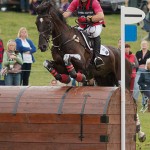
(74, 37)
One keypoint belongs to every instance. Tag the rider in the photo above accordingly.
(89, 11)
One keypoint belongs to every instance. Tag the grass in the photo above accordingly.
(12, 21)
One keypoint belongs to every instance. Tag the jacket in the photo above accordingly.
(141, 60)
(144, 80)
(23, 49)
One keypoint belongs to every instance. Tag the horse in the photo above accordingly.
(72, 56)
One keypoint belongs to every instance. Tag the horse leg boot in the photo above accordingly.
(63, 78)
(141, 135)
(79, 77)
(96, 49)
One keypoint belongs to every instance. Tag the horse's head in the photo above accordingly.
(43, 23)
(48, 22)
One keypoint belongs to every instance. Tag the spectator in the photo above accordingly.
(33, 3)
(144, 83)
(141, 55)
(24, 4)
(64, 5)
(26, 47)
(133, 60)
(12, 61)
(1, 54)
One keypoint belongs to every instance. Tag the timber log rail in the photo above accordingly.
(64, 118)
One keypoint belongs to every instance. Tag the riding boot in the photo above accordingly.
(96, 49)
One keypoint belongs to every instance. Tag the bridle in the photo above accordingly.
(50, 30)
(74, 38)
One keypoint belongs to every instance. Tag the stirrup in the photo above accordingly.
(98, 62)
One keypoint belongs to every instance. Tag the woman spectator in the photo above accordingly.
(12, 61)
(133, 60)
(26, 47)
(141, 55)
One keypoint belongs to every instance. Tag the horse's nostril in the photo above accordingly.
(43, 48)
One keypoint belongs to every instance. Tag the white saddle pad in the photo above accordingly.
(104, 51)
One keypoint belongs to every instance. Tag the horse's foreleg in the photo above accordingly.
(49, 65)
(78, 76)
(141, 135)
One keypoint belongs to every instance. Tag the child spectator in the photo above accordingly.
(12, 61)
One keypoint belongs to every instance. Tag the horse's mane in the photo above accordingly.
(48, 7)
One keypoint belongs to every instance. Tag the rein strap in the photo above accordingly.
(74, 38)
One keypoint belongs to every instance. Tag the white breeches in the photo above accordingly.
(93, 31)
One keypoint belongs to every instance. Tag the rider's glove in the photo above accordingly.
(82, 19)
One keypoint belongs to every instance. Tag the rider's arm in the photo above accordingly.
(99, 15)
(96, 18)
(67, 13)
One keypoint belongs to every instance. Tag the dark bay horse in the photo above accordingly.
(72, 57)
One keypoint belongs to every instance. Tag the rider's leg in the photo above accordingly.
(94, 33)
(97, 45)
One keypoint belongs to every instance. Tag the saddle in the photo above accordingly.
(90, 44)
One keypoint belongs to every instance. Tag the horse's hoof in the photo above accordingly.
(138, 127)
(142, 136)
(48, 65)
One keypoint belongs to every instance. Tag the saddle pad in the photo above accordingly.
(104, 51)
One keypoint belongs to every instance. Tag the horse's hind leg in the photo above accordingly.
(64, 78)
(78, 76)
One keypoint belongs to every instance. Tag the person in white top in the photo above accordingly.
(26, 47)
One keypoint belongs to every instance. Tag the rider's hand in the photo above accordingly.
(82, 19)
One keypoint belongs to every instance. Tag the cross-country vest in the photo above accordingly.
(1, 51)
(85, 11)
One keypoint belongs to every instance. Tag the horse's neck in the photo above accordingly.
(60, 29)
(59, 25)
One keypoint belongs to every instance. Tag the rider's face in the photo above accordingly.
(83, 1)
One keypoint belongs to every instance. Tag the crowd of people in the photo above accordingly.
(17, 59)
(27, 6)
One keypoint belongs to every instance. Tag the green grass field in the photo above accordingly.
(10, 22)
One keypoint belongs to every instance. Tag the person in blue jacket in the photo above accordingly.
(144, 83)
(26, 47)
